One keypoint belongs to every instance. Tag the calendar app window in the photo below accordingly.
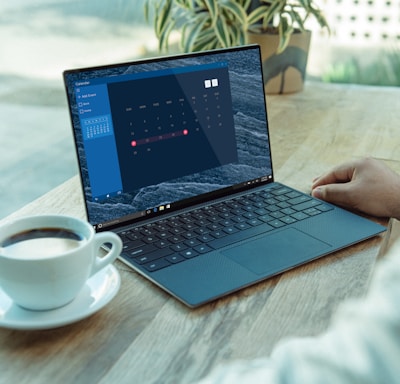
(172, 125)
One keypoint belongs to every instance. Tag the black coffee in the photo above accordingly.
(41, 243)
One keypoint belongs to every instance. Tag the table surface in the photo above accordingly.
(143, 335)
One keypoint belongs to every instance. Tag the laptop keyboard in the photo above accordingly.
(190, 234)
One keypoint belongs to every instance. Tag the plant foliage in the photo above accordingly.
(209, 24)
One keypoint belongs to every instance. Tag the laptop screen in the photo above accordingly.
(157, 135)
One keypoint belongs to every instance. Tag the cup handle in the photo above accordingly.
(102, 261)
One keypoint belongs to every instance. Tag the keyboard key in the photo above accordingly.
(188, 235)
(179, 247)
(300, 216)
(276, 223)
(298, 200)
(230, 230)
(306, 205)
(266, 218)
(324, 207)
(242, 226)
(288, 211)
(163, 234)
(188, 226)
(312, 211)
(249, 215)
(226, 223)
(141, 250)
(161, 243)
(206, 238)
(156, 265)
(218, 234)
(273, 208)
(134, 236)
(147, 231)
(281, 191)
(176, 239)
(133, 244)
(261, 211)
(150, 239)
(254, 222)
(192, 242)
(293, 194)
(226, 215)
(157, 254)
(202, 248)
(189, 253)
(249, 208)
(283, 204)
(238, 219)
(277, 214)
(175, 258)
(213, 227)
(288, 220)
(177, 230)
(201, 231)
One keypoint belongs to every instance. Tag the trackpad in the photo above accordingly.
(277, 252)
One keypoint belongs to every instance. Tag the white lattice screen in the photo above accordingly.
(363, 22)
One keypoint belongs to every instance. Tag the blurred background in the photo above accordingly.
(41, 38)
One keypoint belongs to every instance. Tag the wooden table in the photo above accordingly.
(145, 336)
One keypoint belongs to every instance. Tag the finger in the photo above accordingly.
(340, 174)
(338, 194)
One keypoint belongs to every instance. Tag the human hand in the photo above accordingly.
(366, 185)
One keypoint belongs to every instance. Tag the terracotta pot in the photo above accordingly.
(283, 73)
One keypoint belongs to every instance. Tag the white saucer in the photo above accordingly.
(97, 292)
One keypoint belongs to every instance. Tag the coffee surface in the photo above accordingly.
(41, 243)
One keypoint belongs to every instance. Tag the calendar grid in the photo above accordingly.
(95, 127)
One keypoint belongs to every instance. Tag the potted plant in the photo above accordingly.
(210, 24)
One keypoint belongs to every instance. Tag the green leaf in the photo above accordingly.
(275, 9)
(198, 5)
(269, 12)
(296, 18)
(238, 36)
(246, 4)
(146, 11)
(193, 33)
(257, 14)
(320, 17)
(306, 4)
(222, 33)
(163, 18)
(212, 7)
(184, 3)
(285, 31)
(205, 40)
(237, 10)
(163, 38)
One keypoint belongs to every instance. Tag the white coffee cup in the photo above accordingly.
(46, 260)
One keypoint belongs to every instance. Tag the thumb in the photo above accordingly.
(333, 193)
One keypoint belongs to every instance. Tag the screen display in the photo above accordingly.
(155, 135)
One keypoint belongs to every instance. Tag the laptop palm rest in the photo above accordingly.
(276, 252)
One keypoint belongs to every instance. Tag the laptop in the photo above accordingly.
(174, 156)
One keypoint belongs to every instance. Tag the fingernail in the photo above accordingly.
(317, 192)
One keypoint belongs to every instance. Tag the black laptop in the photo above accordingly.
(175, 157)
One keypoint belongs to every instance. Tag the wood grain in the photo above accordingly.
(145, 336)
